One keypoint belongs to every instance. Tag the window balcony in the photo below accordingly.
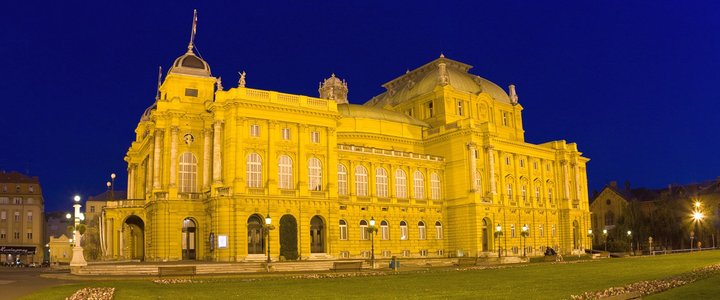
(190, 196)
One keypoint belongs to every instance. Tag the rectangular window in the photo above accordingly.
(460, 110)
(410, 112)
(3, 215)
(512, 230)
(541, 231)
(191, 92)
(4, 188)
(255, 130)
(4, 200)
(31, 189)
(29, 235)
(429, 108)
(423, 252)
(16, 235)
(3, 235)
(553, 230)
(535, 165)
(17, 216)
(343, 231)
(505, 119)
(315, 137)
(507, 160)
(522, 163)
(30, 200)
(286, 134)
(17, 200)
(92, 208)
(29, 216)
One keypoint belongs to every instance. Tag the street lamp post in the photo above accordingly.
(268, 227)
(605, 234)
(590, 236)
(78, 259)
(629, 234)
(524, 235)
(498, 234)
(373, 231)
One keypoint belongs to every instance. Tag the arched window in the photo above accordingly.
(342, 180)
(439, 230)
(512, 230)
(510, 191)
(364, 234)
(434, 186)
(609, 218)
(541, 231)
(478, 181)
(400, 184)
(421, 230)
(403, 230)
(188, 173)
(537, 191)
(381, 183)
(343, 230)
(419, 185)
(254, 171)
(523, 192)
(314, 174)
(285, 172)
(384, 230)
(361, 181)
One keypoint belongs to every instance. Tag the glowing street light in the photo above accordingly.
(498, 233)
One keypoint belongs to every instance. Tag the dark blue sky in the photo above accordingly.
(632, 83)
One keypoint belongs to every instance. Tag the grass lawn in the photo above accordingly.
(534, 281)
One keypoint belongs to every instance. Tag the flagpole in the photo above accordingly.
(194, 29)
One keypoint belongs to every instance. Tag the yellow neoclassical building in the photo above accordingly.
(438, 162)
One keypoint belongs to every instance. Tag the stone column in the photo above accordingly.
(576, 170)
(217, 152)
(566, 186)
(206, 159)
(491, 161)
(131, 181)
(173, 155)
(156, 158)
(472, 150)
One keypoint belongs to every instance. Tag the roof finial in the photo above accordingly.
(194, 29)
(219, 83)
(157, 93)
(513, 95)
(442, 55)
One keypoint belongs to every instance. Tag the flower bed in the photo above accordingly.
(93, 294)
(652, 286)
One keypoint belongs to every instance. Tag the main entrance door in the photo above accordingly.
(485, 235)
(133, 238)
(256, 238)
(317, 235)
(188, 239)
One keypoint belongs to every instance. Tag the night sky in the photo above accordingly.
(632, 83)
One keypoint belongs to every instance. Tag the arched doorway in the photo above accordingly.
(288, 237)
(133, 238)
(485, 239)
(317, 235)
(576, 235)
(256, 239)
(188, 239)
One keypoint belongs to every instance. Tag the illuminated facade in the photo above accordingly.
(21, 218)
(438, 161)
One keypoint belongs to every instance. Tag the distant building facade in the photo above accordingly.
(21, 218)
(438, 161)
(666, 214)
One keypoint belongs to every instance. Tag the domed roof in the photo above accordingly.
(424, 79)
(366, 112)
(190, 64)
